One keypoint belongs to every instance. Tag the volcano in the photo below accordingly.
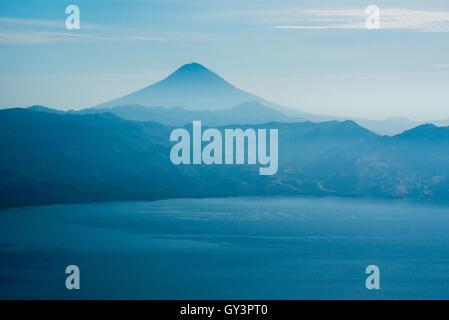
(193, 87)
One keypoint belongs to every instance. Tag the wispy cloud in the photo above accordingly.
(14, 37)
(393, 19)
(143, 38)
(440, 66)
(35, 31)
(39, 23)
(41, 37)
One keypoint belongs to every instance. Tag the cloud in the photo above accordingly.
(4, 21)
(34, 31)
(40, 37)
(38, 31)
(143, 38)
(39, 23)
(390, 19)
(440, 66)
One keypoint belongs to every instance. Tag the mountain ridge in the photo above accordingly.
(72, 158)
(195, 88)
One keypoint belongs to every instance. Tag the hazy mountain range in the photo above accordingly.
(251, 112)
(59, 158)
(193, 92)
(120, 150)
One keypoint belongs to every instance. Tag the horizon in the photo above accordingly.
(197, 64)
(315, 58)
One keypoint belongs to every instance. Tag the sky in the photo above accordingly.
(317, 56)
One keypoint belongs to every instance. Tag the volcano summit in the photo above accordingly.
(193, 86)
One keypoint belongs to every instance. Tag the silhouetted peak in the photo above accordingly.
(192, 70)
(426, 131)
(193, 67)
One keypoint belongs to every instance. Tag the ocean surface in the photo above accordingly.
(234, 248)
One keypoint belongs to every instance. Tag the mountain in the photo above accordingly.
(250, 112)
(193, 87)
(45, 109)
(426, 133)
(65, 158)
(51, 158)
(193, 92)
